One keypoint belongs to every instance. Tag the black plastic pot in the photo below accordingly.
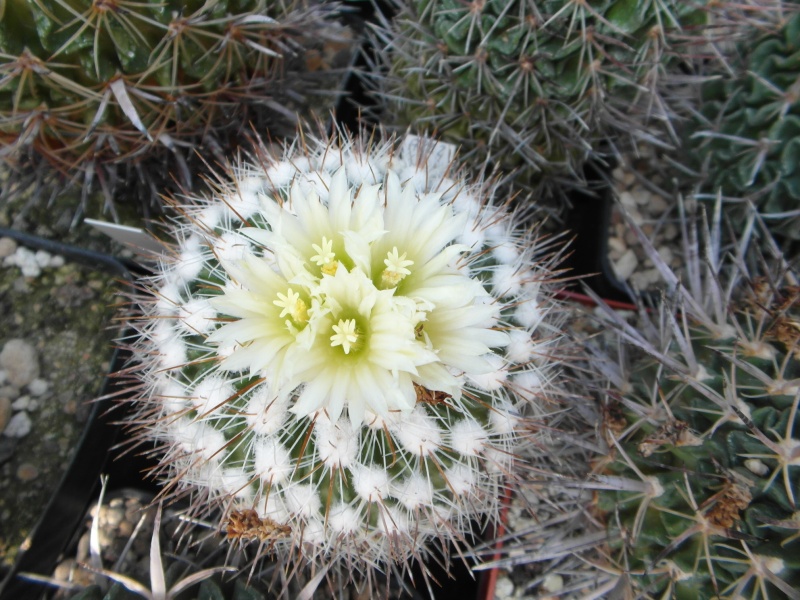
(588, 221)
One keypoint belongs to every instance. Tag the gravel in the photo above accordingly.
(654, 214)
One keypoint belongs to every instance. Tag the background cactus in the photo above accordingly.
(340, 355)
(90, 84)
(747, 135)
(540, 84)
(700, 486)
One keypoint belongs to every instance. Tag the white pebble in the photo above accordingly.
(627, 200)
(616, 247)
(658, 205)
(626, 265)
(22, 403)
(553, 583)
(38, 387)
(7, 247)
(18, 426)
(665, 252)
(642, 196)
(756, 466)
(503, 589)
(20, 362)
(42, 258)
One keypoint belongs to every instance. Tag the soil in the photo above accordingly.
(65, 313)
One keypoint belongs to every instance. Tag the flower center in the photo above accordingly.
(345, 335)
(292, 305)
(396, 268)
(325, 257)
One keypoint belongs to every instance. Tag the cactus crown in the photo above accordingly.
(341, 354)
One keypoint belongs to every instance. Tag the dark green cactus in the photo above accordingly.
(701, 484)
(541, 84)
(748, 140)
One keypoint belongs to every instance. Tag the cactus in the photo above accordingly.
(540, 84)
(747, 137)
(88, 84)
(700, 487)
(339, 356)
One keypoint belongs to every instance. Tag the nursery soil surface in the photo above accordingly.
(65, 314)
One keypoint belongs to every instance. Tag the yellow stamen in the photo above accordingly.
(330, 268)
(325, 257)
(345, 335)
(396, 268)
(292, 305)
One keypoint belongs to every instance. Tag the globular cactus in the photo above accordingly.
(747, 136)
(543, 85)
(92, 83)
(339, 356)
(701, 483)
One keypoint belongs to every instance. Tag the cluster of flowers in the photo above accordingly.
(342, 350)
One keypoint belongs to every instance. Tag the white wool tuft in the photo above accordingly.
(210, 393)
(266, 413)
(520, 346)
(344, 519)
(273, 463)
(337, 443)
(197, 316)
(418, 433)
(371, 484)
(467, 437)
(303, 500)
(414, 491)
(506, 281)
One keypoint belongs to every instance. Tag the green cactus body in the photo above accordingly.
(752, 149)
(535, 83)
(705, 461)
(107, 80)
